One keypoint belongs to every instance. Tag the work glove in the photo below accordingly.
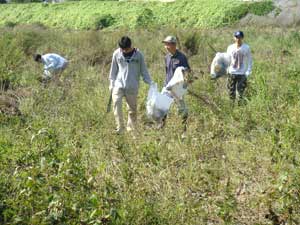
(247, 73)
(152, 83)
(47, 74)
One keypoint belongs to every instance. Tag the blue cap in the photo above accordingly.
(239, 34)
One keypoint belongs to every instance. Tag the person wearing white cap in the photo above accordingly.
(173, 60)
(240, 67)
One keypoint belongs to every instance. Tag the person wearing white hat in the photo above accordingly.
(174, 59)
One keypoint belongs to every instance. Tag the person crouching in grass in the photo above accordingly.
(54, 65)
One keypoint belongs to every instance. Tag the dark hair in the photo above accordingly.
(125, 42)
(37, 57)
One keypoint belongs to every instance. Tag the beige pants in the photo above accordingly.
(131, 100)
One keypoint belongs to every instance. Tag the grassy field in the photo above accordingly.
(61, 164)
(111, 14)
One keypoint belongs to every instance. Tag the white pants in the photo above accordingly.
(131, 100)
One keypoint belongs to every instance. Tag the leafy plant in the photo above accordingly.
(11, 61)
(145, 19)
(61, 164)
(104, 21)
(112, 14)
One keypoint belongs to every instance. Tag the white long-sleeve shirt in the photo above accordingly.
(53, 62)
(241, 59)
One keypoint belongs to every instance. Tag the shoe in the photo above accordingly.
(130, 129)
(160, 126)
(183, 135)
(119, 131)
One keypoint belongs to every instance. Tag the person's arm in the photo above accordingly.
(229, 51)
(114, 69)
(166, 67)
(250, 62)
(185, 64)
(144, 71)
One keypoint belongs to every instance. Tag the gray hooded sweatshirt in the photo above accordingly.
(125, 73)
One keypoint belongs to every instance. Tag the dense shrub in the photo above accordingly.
(30, 40)
(239, 164)
(104, 21)
(11, 59)
(10, 24)
(25, 1)
(191, 44)
(182, 13)
(239, 11)
(145, 18)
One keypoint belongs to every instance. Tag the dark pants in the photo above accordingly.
(236, 83)
(182, 111)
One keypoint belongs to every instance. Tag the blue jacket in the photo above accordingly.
(174, 61)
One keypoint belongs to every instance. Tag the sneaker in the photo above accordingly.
(119, 131)
(130, 129)
(183, 135)
(160, 126)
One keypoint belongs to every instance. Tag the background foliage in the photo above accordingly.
(115, 14)
(61, 164)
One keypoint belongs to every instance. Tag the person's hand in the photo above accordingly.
(174, 95)
(152, 83)
(247, 73)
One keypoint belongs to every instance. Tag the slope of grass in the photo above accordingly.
(97, 15)
(61, 164)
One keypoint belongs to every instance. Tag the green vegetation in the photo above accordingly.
(61, 164)
(99, 14)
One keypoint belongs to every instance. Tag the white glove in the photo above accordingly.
(47, 74)
(247, 73)
(152, 83)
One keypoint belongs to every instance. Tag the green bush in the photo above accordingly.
(25, 1)
(104, 21)
(10, 24)
(145, 19)
(261, 8)
(99, 14)
(239, 11)
(61, 164)
(10, 62)
(191, 44)
(29, 40)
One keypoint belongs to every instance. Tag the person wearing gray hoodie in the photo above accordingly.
(127, 66)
